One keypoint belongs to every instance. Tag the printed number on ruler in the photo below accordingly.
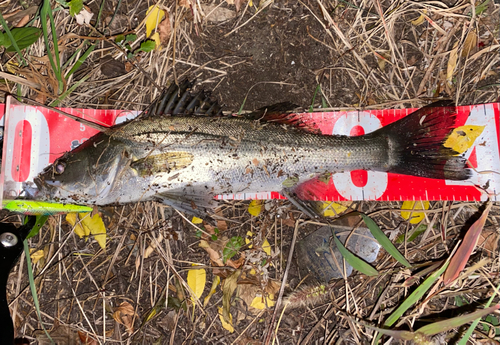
(28, 148)
(359, 184)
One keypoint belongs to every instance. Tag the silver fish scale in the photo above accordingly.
(234, 155)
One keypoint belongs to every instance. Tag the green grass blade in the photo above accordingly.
(46, 12)
(65, 94)
(413, 298)
(447, 325)
(33, 289)
(465, 338)
(356, 263)
(384, 241)
(311, 108)
(13, 41)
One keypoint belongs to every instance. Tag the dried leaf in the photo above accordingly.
(124, 315)
(488, 240)
(469, 44)
(420, 19)
(452, 64)
(214, 254)
(150, 249)
(154, 16)
(416, 217)
(227, 325)
(85, 339)
(196, 280)
(255, 207)
(462, 138)
(230, 284)
(461, 256)
(84, 17)
(217, 14)
(165, 30)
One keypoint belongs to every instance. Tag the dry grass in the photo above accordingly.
(373, 56)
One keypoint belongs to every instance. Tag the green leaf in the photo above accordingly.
(232, 247)
(75, 6)
(413, 235)
(482, 7)
(24, 37)
(353, 260)
(119, 38)
(40, 220)
(384, 241)
(147, 46)
(3, 37)
(131, 37)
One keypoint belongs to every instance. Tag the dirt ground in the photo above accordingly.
(327, 54)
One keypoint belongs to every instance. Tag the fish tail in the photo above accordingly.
(416, 144)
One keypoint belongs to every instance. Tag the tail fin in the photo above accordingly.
(416, 144)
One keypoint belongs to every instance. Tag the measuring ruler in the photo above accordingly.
(34, 137)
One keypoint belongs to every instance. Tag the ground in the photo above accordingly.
(326, 54)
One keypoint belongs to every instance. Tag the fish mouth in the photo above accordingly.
(46, 190)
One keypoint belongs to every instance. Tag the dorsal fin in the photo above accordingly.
(284, 113)
(179, 99)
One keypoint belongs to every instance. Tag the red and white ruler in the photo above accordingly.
(34, 137)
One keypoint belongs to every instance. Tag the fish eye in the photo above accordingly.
(59, 168)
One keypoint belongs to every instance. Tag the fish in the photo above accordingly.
(183, 152)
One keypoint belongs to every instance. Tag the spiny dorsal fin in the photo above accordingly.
(179, 99)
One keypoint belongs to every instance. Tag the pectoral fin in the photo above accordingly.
(163, 162)
(189, 200)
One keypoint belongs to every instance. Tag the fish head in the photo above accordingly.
(84, 175)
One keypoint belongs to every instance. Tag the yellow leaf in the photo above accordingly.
(248, 239)
(452, 63)
(331, 209)
(266, 247)
(11, 66)
(95, 226)
(196, 220)
(72, 218)
(37, 256)
(215, 283)
(462, 138)
(420, 19)
(258, 302)
(226, 325)
(255, 207)
(196, 280)
(156, 38)
(153, 17)
(414, 205)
